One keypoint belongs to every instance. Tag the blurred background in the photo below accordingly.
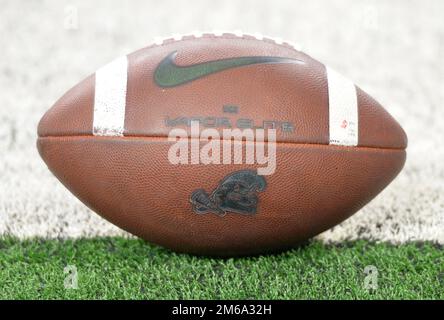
(392, 49)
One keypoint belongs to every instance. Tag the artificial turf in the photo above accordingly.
(119, 268)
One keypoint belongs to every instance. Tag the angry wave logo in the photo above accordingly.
(236, 193)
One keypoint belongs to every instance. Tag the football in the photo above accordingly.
(221, 144)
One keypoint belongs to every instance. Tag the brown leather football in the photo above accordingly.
(221, 145)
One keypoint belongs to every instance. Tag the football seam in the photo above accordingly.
(229, 35)
(123, 138)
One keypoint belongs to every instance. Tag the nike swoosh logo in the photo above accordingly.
(168, 74)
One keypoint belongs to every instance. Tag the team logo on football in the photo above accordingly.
(236, 193)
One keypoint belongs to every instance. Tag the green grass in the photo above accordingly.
(117, 268)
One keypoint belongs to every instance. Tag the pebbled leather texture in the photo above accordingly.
(130, 182)
(285, 92)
